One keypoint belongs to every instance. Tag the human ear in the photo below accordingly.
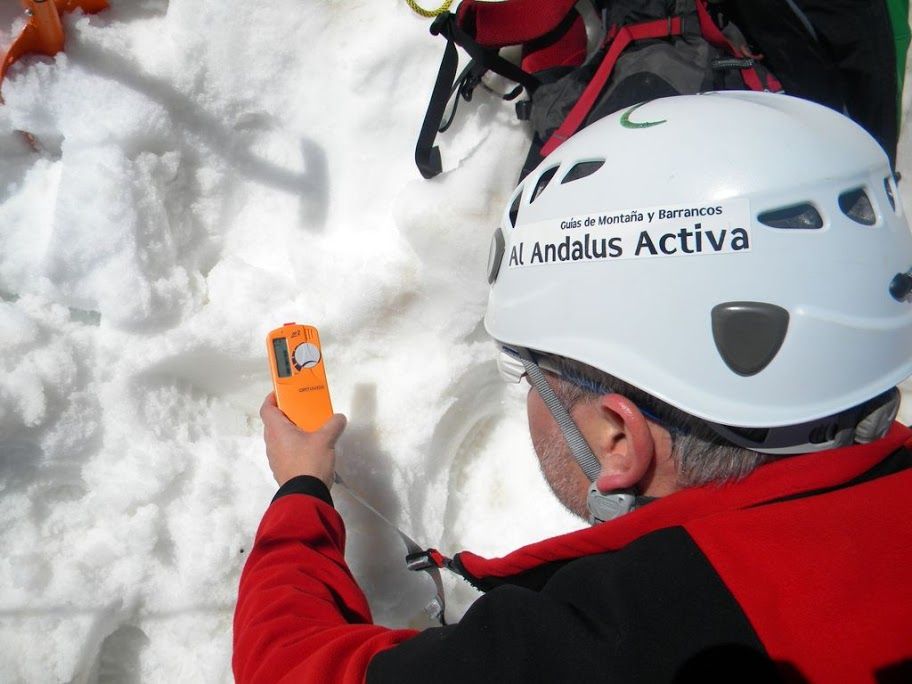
(630, 450)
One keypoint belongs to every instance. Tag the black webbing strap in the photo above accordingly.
(489, 57)
(427, 154)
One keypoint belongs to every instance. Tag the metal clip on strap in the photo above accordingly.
(428, 560)
(424, 560)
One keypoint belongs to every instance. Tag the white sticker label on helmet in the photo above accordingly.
(669, 231)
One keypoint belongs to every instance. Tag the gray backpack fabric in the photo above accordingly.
(651, 49)
(645, 70)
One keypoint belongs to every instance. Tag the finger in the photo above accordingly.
(270, 400)
(272, 416)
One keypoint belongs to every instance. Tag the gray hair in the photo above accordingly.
(701, 455)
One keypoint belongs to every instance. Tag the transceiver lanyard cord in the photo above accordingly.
(418, 558)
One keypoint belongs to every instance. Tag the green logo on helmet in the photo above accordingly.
(627, 123)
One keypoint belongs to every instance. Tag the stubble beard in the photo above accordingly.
(562, 473)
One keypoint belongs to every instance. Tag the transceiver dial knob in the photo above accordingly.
(306, 355)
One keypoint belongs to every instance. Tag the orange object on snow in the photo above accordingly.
(43, 33)
(298, 375)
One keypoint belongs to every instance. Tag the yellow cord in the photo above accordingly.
(430, 14)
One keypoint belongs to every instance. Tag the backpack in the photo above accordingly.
(650, 49)
(844, 54)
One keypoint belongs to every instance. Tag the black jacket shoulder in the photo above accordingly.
(655, 611)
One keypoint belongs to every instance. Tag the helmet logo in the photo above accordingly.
(704, 228)
(627, 123)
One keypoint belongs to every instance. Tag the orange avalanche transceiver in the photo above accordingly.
(299, 376)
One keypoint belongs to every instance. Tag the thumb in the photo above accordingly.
(332, 429)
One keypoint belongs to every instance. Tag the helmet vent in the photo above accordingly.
(582, 169)
(542, 183)
(857, 206)
(514, 209)
(889, 190)
(797, 217)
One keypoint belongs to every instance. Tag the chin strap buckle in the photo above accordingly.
(610, 505)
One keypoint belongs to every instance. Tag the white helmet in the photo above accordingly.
(742, 256)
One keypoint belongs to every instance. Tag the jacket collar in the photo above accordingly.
(787, 477)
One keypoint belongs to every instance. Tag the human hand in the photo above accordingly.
(292, 451)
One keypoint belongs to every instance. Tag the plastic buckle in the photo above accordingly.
(442, 25)
(732, 63)
(524, 110)
(468, 85)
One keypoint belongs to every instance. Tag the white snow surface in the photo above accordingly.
(205, 172)
(200, 173)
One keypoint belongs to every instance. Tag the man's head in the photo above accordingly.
(738, 274)
(643, 444)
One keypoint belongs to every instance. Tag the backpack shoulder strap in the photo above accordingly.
(481, 29)
(754, 78)
(619, 40)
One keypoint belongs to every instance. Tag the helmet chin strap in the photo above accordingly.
(601, 506)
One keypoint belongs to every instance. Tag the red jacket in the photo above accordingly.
(807, 562)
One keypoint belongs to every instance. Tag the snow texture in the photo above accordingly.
(199, 172)
(204, 172)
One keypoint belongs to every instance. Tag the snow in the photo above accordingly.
(204, 172)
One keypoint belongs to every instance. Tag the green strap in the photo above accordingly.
(899, 19)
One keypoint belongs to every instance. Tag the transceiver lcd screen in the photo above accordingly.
(283, 366)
